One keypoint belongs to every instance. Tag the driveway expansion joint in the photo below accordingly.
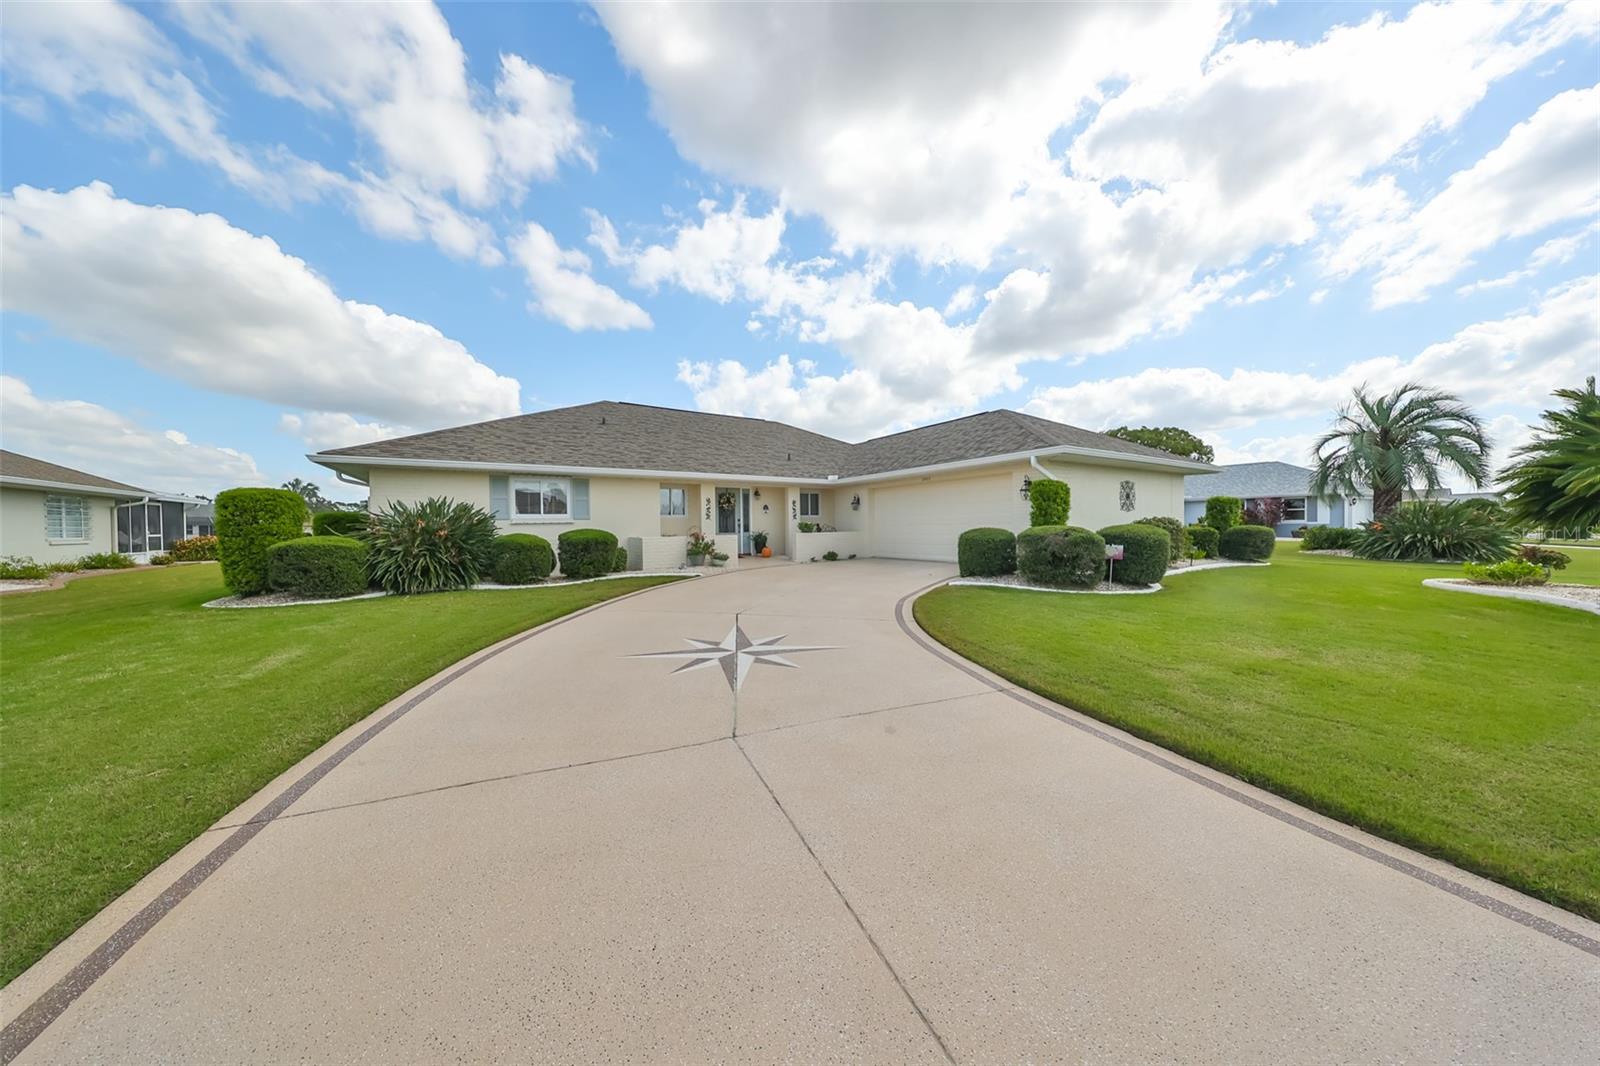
(871, 940)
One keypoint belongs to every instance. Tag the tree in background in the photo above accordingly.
(1554, 481)
(315, 500)
(1397, 441)
(1179, 442)
(1267, 511)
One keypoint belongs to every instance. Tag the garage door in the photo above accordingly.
(922, 521)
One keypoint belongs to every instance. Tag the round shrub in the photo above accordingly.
(339, 523)
(318, 567)
(1204, 538)
(1061, 555)
(1146, 550)
(249, 521)
(522, 559)
(587, 552)
(1223, 512)
(1248, 544)
(1049, 503)
(619, 560)
(1175, 532)
(431, 546)
(986, 552)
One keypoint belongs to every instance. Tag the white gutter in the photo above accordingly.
(334, 460)
(71, 486)
(1033, 461)
(348, 480)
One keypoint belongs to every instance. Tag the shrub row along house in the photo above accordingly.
(53, 514)
(653, 475)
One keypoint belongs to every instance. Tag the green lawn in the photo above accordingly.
(133, 719)
(1464, 726)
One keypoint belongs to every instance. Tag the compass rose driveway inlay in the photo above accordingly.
(735, 653)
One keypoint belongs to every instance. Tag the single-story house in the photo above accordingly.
(1292, 484)
(200, 520)
(651, 475)
(52, 513)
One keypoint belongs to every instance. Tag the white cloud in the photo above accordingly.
(324, 430)
(1518, 359)
(400, 76)
(446, 146)
(1543, 173)
(563, 289)
(195, 298)
(1557, 251)
(96, 439)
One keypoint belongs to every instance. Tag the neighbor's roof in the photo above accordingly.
(632, 436)
(27, 468)
(1249, 481)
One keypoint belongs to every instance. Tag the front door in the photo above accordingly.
(744, 522)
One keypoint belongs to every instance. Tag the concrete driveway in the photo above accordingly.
(802, 835)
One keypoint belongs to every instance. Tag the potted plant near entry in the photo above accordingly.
(719, 558)
(758, 541)
(699, 547)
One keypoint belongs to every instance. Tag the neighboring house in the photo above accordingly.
(53, 513)
(652, 474)
(1292, 484)
(200, 521)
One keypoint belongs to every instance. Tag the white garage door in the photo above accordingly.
(922, 521)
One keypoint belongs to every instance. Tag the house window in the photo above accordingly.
(540, 499)
(1294, 510)
(674, 502)
(66, 518)
(810, 505)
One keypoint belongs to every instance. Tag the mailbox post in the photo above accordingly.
(1113, 555)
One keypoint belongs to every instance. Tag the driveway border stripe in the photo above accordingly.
(37, 1017)
(1471, 895)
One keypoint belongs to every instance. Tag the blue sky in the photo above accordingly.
(237, 234)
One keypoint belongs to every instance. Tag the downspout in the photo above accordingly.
(1033, 461)
(340, 475)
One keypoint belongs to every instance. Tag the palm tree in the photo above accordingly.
(1396, 441)
(1555, 481)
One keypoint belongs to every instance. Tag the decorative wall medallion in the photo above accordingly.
(735, 654)
(1125, 496)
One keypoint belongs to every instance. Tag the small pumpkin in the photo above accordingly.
(766, 553)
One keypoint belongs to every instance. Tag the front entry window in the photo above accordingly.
(810, 504)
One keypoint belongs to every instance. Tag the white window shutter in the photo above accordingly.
(580, 499)
(500, 498)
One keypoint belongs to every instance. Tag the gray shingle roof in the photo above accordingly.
(638, 437)
(13, 464)
(1249, 481)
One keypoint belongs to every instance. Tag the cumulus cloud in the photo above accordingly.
(328, 430)
(446, 147)
(563, 290)
(1517, 359)
(87, 436)
(1543, 173)
(196, 298)
(1557, 251)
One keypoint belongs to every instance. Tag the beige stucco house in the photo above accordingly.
(650, 475)
(51, 513)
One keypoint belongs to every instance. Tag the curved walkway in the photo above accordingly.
(761, 817)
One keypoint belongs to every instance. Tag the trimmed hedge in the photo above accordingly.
(319, 567)
(1325, 538)
(986, 552)
(587, 552)
(522, 559)
(1146, 550)
(1061, 555)
(1205, 540)
(1175, 532)
(619, 560)
(1223, 512)
(1249, 544)
(249, 521)
(1049, 503)
(339, 523)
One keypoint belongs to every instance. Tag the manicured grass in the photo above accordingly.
(1464, 726)
(134, 719)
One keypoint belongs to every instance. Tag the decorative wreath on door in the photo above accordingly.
(726, 498)
(1125, 496)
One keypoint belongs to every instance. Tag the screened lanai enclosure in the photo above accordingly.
(148, 527)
